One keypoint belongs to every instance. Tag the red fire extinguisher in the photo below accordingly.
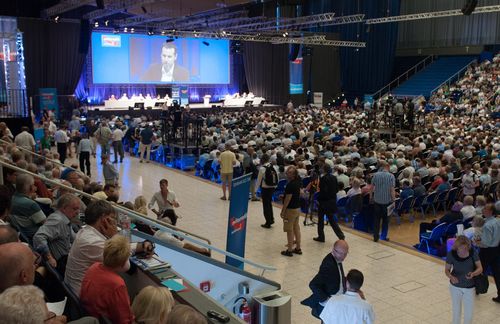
(245, 313)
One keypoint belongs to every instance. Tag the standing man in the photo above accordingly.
(103, 135)
(330, 279)
(327, 198)
(489, 254)
(117, 143)
(83, 151)
(267, 180)
(291, 212)
(26, 141)
(61, 139)
(227, 161)
(54, 238)
(383, 194)
(470, 181)
(146, 139)
(249, 167)
(351, 306)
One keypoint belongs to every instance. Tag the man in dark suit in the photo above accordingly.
(330, 279)
(327, 199)
(167, 70)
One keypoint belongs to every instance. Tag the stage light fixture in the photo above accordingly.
(162, 32)
(96, 24)
(125, 29)
(285, 34)
(116, 30)
(206, 43)
(223, 33)
(106, 23)
(56, 19)
(132, 30)
(169, 40)
(144, 9)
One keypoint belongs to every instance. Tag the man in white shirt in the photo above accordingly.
(61, 139)
(351, 306)
(26, 141)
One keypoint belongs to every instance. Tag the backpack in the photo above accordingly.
(271, 176)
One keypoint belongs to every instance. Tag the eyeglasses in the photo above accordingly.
(50, 316)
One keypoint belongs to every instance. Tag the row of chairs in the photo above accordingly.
(431, 241)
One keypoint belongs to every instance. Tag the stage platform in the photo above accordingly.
(154, 112)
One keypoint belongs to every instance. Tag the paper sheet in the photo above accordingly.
(58, 307)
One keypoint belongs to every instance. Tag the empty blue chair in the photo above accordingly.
(433, 237)
(417, 203)
(404, 207)
(442, 199)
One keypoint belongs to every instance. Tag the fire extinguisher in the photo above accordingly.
(245, 312)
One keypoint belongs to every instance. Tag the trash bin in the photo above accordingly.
(272, 308)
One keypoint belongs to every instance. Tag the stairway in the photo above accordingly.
(432, 76)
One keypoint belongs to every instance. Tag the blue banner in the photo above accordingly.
(48, 100)
(237, 224)
(184, 95)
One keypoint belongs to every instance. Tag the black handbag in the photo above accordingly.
(481, 283)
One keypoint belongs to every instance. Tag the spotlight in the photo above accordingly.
(150, 31)
(56, 19)
(162, 32)
(224, 33)
(285, 34)
(106, 23)
(195, 33)
(132, 30)
(116, 30)
(169, 40)
(125, 29)
(96, 24)
(206, 43)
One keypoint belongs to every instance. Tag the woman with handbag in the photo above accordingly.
(462, 265)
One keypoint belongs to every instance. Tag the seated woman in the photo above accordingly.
(153, 305)
(183, 314)
(103, 291)
(450, 217)
(355, 190)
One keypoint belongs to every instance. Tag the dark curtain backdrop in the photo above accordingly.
(267, 71)
(368, 69)
(52, 57)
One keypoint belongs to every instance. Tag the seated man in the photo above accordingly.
(108, 190)
(88, 246)
(17, 265)
(54, 238)
(26, 214)
(452, 216)
(351, 306)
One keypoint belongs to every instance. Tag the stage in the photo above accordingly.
(154, 112)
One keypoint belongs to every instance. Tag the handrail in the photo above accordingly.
(64, 165)
(448, 81)
(39, 155)
(378, 94)
(138, 217)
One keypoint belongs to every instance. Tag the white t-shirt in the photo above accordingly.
(348, 308)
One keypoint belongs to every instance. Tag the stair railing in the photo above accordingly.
(454, 77)
(405, 76)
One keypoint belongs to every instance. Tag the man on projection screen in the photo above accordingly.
(167, 70)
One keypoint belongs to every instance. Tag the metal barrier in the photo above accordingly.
(139, 217)
(454, 77)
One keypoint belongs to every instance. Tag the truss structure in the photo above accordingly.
(429, 15)
(66, 5)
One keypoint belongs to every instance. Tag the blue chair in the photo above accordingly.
(342, 207)
(442, 199)
(354, 206)
(433, 237)
(451, 229)
(404, 207)
(417, 203)
(429, 202)
(280, 189)
(452, 197)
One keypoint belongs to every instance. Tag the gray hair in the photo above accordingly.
(65, 200)
(23, 304)
(24, 183)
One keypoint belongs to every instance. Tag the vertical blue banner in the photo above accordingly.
(176, 94)
(184, 95)
(48, 100)
(237, 223)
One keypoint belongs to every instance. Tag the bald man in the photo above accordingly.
(8, 234)
(17, 265)
(330, 279)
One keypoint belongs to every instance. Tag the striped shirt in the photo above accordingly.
(384, 183)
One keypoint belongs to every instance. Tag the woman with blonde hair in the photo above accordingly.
(141, 205)
(152, 305)
(462, 265)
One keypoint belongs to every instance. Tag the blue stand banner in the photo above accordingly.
(48, 100)
(237, 224)
(184, 95)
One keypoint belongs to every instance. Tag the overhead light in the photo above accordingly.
(162, 32)
(151, 31)
(132, 30)
(285, 34)
(125, 29)
(224, 33)
(96, 24)
(56, 19)
(106, 23)
(116, 30)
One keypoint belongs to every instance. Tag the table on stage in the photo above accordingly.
(113, 104)
(240, 102)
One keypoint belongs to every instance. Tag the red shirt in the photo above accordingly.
(104, 293)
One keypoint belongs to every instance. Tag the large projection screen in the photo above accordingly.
(133, 58)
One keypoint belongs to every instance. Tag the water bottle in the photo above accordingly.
(125, 226)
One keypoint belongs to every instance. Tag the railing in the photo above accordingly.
(405, 76)
(139, 217)
(454, 77)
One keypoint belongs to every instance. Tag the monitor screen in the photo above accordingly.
(134, 58)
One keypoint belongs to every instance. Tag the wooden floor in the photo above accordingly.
(403, 285)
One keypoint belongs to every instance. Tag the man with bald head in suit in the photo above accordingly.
(17, 265)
